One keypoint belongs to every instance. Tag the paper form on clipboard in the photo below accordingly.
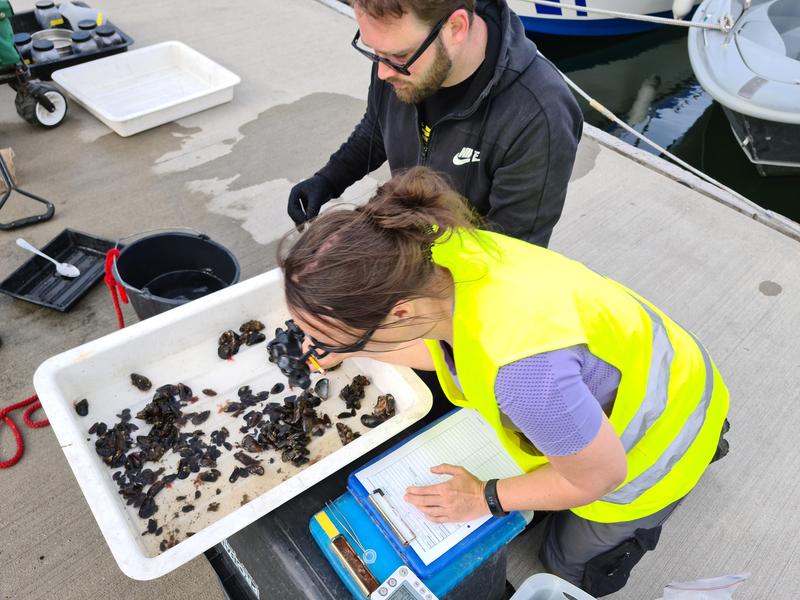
(464, 439)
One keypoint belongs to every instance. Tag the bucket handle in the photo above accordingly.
(199, 233)
(144, 291)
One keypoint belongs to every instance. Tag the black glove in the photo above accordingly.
(307, 197)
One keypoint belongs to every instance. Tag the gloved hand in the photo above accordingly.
(307, 197)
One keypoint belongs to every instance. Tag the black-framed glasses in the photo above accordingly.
(404, 68)
(356, 346)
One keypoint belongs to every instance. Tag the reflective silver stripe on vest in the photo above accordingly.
(655, 397)
(652, 407)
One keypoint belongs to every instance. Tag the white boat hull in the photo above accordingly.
(753, 71)
(566, 21)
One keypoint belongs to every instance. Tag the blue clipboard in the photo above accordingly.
(486, 539)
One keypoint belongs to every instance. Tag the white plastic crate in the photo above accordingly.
(144, 88)
(181, 346)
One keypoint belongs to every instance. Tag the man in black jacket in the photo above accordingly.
(457, 86)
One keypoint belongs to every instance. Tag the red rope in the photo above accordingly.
(26, 417)
(117, 294)
(114, 287)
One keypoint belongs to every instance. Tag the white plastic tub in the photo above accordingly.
(181, 346)
(544, 586)
(144, 88)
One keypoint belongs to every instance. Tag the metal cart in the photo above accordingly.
(41, 103)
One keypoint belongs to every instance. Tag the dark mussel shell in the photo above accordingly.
(322, 388)
(225, 351)
(184, 391)
(141, 382)
(253, 418)
(254, 337)
(209, 392)
(251, 445)
(346, 434)
(372, 420)
(148, 508)
(277, 388)
(256, 470)
(209, 476)
(234, 475)
(251, 325)
(385, 406)
(229, 338)
(82, 407)
(246, 460)
(200, 417)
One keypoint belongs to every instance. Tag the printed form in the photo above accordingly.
(464, 439)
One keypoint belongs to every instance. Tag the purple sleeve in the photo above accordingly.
(545, 396)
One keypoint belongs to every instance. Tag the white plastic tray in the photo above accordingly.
(144, 88)
(180, 346)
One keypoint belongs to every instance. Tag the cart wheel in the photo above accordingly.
(30, 109)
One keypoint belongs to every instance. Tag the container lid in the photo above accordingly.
(42, 4)
(42, 45)
(81, 36)
(87, 24)
(105, 30)
(21, 39)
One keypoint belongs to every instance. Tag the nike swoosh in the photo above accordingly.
(457, 160)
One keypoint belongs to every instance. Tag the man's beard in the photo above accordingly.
(429, 83)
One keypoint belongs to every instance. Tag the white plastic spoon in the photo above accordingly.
(65, 269)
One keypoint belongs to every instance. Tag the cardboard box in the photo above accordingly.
(8, 158)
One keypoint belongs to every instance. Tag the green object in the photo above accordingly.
(8, 52)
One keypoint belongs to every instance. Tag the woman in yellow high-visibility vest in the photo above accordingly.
(612, 410)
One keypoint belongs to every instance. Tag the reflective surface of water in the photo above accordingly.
(647, 80)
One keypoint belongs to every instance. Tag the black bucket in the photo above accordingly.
(165, 270)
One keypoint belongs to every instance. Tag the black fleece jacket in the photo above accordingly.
(510, 151)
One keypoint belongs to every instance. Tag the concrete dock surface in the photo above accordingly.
(227, 171)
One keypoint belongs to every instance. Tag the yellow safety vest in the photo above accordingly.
(514, 300)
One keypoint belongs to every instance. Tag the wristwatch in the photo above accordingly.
(490, 493)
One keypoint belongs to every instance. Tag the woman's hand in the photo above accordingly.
(456, 500)
(327, 362)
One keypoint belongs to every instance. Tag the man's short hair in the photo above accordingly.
(427, 11)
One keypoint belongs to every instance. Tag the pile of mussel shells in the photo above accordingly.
(286, 427)
(249, 334)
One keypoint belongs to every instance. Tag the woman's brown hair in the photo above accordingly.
(351, 267)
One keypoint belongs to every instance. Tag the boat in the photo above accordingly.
(753, 71)
(554, 20)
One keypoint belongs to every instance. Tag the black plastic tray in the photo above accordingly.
(25, 22)
(36, 280)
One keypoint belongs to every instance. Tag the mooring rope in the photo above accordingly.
(758, 213)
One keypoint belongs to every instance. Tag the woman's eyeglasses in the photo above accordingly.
(356, 346)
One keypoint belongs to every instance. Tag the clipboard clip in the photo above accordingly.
(392, 516)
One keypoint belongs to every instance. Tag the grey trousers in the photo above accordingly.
(570, 542)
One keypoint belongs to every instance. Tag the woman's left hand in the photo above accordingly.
(456, 500)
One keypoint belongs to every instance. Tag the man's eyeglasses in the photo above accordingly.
(404, 68)
(356, 346)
